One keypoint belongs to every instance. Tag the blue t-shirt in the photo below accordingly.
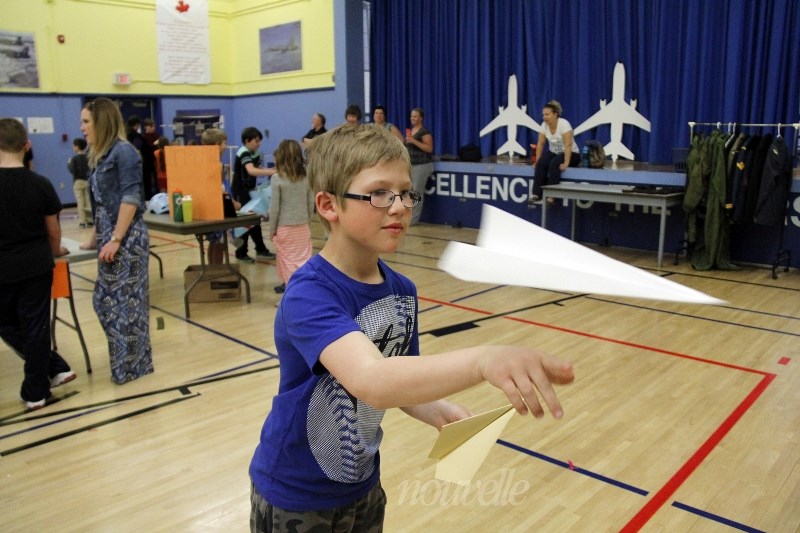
(319, 445)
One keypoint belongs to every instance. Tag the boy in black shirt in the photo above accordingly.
(29, 238)
(246, 168)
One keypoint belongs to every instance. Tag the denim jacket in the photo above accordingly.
(118, 180)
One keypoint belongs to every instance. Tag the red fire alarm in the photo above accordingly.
(61, 38)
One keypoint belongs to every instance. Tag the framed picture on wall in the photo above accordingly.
(18, 68)
(281, 48)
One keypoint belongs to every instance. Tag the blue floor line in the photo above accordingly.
(716, 518)
(579, 470)
(631, 488)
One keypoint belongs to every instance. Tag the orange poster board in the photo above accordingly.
(197, 171)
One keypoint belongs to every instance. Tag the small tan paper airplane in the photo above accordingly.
(463, 446)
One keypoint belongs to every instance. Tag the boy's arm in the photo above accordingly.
(404, 381)
(258, 171)
(53, 229)
(437, 413)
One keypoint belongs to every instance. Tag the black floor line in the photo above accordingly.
(82, 429)
(50, 401)
(180, 388)
(696, 317)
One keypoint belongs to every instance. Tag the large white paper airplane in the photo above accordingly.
(512, 251)
(616, 113)
(511, 116)
(463, 446)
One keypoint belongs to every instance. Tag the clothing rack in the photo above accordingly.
(782, 255)
(731, 127)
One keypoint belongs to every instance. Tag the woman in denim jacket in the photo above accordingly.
(121, 298)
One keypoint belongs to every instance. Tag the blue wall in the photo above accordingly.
(49, 150)
(285, 115)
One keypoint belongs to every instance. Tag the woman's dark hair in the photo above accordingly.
(355, 110)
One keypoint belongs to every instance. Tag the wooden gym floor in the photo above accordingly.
(682, 417)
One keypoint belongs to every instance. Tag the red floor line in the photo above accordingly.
(598, 337)
(640, 346)
(665, 493)
(684, 472)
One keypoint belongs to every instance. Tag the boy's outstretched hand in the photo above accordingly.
(438, 413)
(521, 372)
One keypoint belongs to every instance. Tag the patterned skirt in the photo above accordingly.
(293, 248)
(122, 302)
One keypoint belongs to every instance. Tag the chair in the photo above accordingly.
(62, 288)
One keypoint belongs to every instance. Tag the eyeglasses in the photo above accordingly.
(384, 198)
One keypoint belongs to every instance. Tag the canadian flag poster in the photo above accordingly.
(183, 44)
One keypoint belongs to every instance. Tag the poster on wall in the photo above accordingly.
(183, 49)
(281, 48)
(18, 61)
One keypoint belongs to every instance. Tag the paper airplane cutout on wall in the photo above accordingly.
(511, 116)
(463, 446)
(616, 113)
(512, 251)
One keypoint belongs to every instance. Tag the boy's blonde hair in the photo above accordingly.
(12, 136)
(108, 128)
(213, 136)
(337, 157)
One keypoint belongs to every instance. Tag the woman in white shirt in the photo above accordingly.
(557, 133)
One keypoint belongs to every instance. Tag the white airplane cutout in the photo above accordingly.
(511, 116)
(616, 113)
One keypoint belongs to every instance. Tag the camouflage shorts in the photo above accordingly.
(363, 515)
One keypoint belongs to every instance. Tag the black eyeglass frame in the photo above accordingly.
(414, 196)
